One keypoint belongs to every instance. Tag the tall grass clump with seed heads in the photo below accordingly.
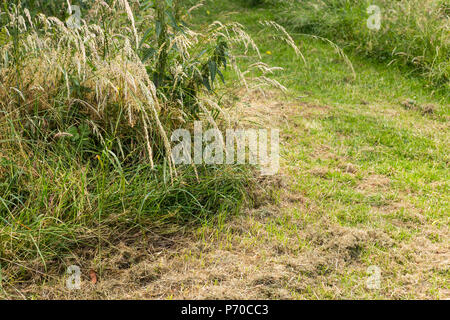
(414, 34)
(87, 106)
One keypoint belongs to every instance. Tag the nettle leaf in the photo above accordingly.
(173, 21)
(158, 28)
(145, 36)
(147, 4)
(221, 76)
(148, 53)
(212, 70)
(206, 83)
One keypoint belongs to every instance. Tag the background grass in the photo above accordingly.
(414, 34)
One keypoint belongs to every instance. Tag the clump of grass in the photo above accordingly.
(86, 112)
(414, 34)
(124, 85)
(52, 203)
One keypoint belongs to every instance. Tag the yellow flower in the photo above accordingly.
(268, 52)
(97, 157)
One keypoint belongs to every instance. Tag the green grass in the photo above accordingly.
(360, 121)
(413, 34)
(325, 71)
(53, 203)
(81, 165)
(397, 188)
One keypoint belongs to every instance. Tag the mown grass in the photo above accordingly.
(362, 158)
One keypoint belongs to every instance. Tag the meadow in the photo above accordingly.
(413, 35)
(88, 103)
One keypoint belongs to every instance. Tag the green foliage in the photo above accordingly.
(414, 34)
(132, 85)
(86, 112)
(209, 61)
(57, 8)
(61, 199)
(259, 3)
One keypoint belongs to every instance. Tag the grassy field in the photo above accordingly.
(364, 184)
(413, 34)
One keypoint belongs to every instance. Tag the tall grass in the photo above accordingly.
(85, 114)
(414, 33)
